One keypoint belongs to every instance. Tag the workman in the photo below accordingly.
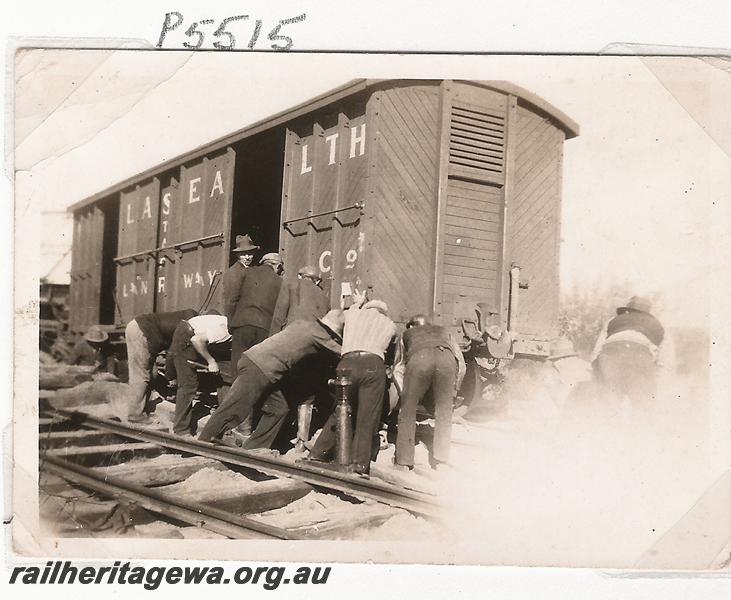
(260, 370)
(95, 349)
(249, 295)
(625, 354)
(146, 336)
(302, 298)
(367, 336)
(433, 363)
(192, 340)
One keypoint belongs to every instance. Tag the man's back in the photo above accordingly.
(367, 330)
(160, 327)
(299, 300)
(250, 295)
(280, 352)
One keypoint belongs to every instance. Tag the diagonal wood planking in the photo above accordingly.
(406, 167)
(535, 220)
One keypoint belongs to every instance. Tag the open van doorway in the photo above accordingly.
(258, 189)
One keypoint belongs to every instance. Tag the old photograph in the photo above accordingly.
(407, 309)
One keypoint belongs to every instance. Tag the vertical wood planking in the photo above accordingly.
(441, 199)
(200, 206)
(340, 202)
(511, 127)
(470, 220)
(86, 266)
(328, 180)
(286, 244)
(348, 258)
(366, 264)
(166, 286)
(138, 232)
(316, 173)
(299, 201)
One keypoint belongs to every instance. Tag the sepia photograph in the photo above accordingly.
(390, 308)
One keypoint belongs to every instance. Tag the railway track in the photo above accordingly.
(93, 453)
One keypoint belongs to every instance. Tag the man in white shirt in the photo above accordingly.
(191, 341)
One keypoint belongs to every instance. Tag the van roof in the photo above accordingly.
(352, 88)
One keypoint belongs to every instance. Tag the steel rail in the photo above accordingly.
(214, 519)
(354, 485)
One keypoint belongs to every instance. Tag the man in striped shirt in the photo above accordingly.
(367, 335)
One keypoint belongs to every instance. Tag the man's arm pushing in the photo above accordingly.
(200, 343)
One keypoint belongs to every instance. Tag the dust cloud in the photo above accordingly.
(583, 483)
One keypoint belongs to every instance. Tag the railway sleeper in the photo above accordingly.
(112, 513)
(79, 438)
(101, 456)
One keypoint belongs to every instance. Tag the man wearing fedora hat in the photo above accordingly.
(625, 354)
(94, 349)
(249, 295)
(260, 370)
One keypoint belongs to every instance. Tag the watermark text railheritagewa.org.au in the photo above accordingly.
(270, 578)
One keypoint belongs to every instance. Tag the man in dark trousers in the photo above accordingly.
(625, 354)
(249, 295)
(146, 336)
(434, 363)
(192, 342)
(367, 336)
(262, 367)
(302, 298)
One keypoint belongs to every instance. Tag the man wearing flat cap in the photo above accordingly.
(369, 335)
(625, 354)
(301, 299)
(249, 294)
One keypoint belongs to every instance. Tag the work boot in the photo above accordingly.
(440, 467)
(142, 419)
(362, 470)
(405, 468)
(233, 437)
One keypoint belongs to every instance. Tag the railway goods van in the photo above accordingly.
(435, 195)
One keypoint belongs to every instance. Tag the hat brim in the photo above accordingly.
(245, 249)
(96, 341)
(337, 335)
(624, 309)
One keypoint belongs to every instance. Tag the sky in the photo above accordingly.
(642, 184)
